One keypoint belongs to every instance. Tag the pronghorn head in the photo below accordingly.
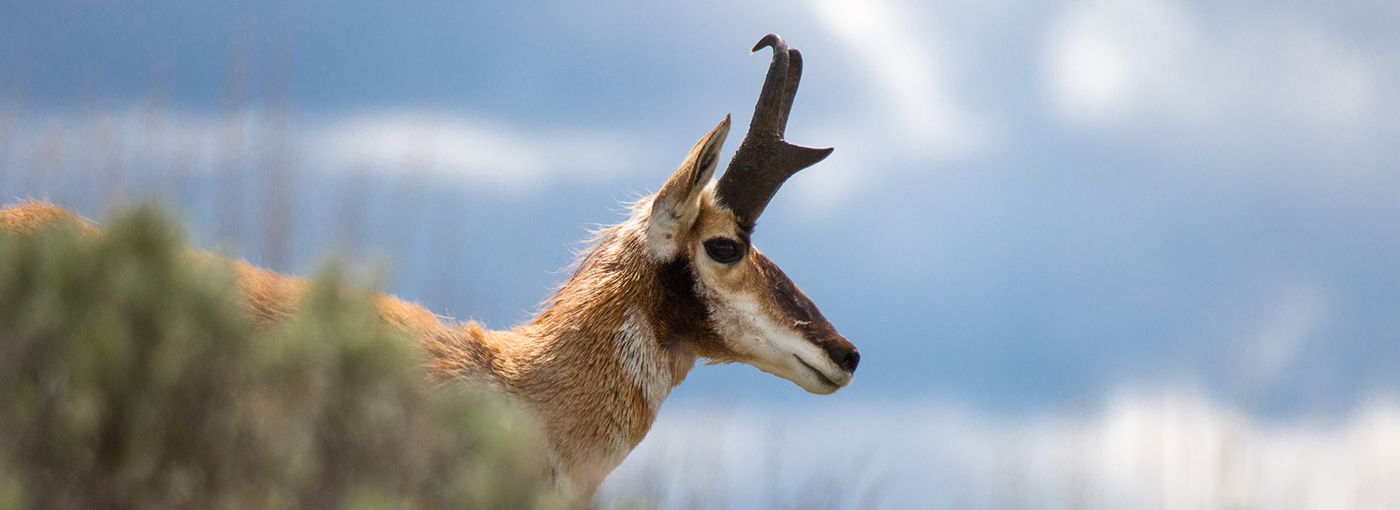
(700, 230)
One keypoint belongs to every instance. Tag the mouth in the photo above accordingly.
(820, 376)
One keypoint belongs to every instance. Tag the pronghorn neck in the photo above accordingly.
(622, 296)
(597, 363)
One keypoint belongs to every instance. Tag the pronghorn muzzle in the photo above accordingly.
(808, 320)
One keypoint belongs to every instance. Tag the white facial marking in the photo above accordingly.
(773, 348)
(642, 360)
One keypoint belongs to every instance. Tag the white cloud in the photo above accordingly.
(1111, 64)
(1171, 450)
(479, 151)
(1106, 58)
(468, 148)
(913, 112)
(910, 76)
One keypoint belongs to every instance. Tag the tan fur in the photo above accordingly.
(31, 216)
(643, 304)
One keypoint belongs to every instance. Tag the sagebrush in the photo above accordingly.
(131, 378)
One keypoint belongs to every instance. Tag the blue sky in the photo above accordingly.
(1031, 205)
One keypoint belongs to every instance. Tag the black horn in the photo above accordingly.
(764, 160)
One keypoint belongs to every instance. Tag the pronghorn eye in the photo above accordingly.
(724, 250)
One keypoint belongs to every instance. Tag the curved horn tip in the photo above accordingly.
(807, 156)
(773, 40)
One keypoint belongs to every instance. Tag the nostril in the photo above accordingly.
(850, 361)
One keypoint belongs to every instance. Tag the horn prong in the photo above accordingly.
(800, 157)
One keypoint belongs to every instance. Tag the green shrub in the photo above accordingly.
(131, 378)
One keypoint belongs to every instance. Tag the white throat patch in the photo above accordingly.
(642, 360)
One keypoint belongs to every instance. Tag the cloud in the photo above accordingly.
(1105, 58)
(471, 149)
(1140, 450)
(912, 113)
(909, 75)
(1144, 64)
(479, 151)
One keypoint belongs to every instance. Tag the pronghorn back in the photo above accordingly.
(32, 216)
(268, 297)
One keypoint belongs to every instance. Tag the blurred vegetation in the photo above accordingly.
(130, 378)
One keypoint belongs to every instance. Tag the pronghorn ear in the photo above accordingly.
(678, 203)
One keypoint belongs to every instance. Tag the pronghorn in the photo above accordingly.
(677, 281)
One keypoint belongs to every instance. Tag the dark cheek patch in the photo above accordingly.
(682, 314)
